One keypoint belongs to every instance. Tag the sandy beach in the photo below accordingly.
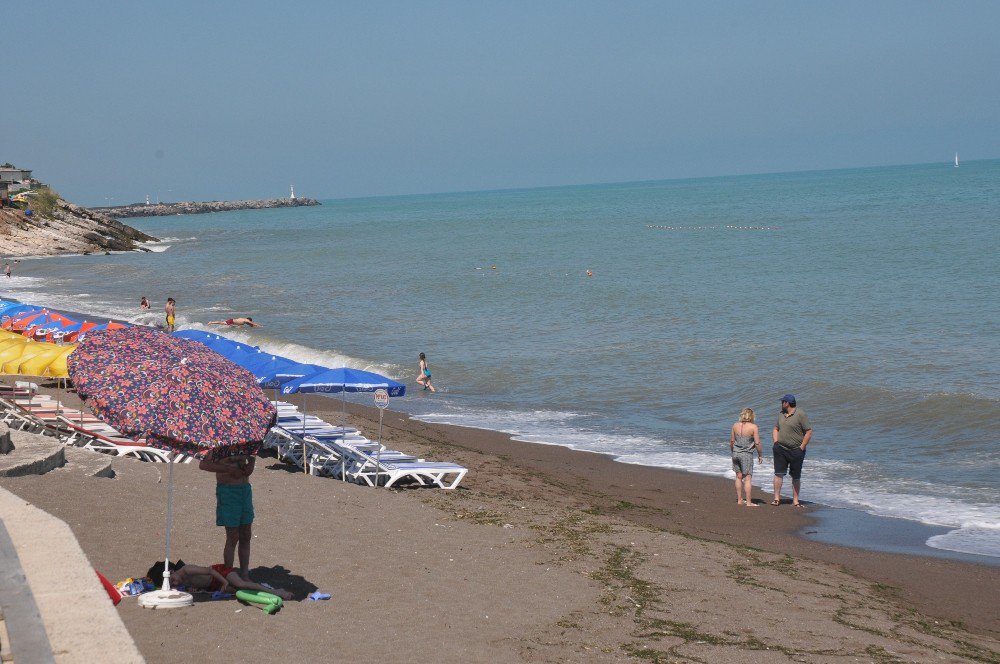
(542, 555)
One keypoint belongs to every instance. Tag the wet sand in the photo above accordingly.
(542, 555)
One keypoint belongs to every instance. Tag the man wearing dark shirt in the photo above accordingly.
(791, 435)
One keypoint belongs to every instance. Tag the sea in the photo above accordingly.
(635, 319)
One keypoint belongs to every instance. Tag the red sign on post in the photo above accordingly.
(381, 399)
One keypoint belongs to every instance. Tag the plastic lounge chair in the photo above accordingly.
(424, 473)
(325, 459)
(21, 420)
(120, 447)
(344, 458)
(369, 467)
(359, 457)
(443, 475)
(288, 444)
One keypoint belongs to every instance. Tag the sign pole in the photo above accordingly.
(381, 401)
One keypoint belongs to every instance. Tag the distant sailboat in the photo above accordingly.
(956, 160)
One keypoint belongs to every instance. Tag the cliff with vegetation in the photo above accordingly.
(55, 226)
(168, 209)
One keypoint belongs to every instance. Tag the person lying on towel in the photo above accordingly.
(216, 577)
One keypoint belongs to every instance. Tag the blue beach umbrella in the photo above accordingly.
(195, 335)
(224, 346)
(283, 370)
(271, 371)
(16, 310)
(228, 348)
(7, 304)
(343, 380)
(298, 371)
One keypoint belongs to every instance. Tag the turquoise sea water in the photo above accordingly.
(871, 294)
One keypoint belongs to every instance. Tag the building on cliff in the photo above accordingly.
(12, 175)
(13, 180)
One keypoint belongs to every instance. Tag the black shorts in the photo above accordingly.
(789, 460)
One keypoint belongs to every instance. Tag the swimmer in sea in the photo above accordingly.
(235, 322)
(144, 303)
(425, 374)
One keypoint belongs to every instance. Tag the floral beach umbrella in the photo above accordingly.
(178, 394)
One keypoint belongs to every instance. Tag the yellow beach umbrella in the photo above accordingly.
(37, 364)
(57, 368)
(14, 349)
(12, 364)
(7, 334)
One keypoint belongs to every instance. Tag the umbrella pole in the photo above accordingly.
(170, 519)
(304, 397)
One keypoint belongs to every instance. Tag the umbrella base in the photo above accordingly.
(165, 599)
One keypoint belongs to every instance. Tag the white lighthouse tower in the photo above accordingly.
(293, 192)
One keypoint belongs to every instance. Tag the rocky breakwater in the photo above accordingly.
(168, 209)
(56, 226)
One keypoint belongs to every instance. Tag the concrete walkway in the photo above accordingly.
(82, 624)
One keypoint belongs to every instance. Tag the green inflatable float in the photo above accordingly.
(266, 602)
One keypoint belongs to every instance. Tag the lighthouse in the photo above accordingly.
(293, 192)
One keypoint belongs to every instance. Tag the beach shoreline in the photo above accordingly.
(704, 506)
(542, 554)
(839, 519)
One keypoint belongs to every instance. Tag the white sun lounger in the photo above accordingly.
(424, 473)
(342, 452)
(92, 438)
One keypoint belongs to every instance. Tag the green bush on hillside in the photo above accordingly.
(42, 201)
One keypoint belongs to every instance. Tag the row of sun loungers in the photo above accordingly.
(307, 441)
(324, 449)
(23, 410)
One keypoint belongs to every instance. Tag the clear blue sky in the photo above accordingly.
(238, 99)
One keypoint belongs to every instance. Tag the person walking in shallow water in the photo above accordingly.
(6, 270)
(425, 374)
(743, 438)
(169, 309)
(791, 435)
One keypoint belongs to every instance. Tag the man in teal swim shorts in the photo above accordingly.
(234, 507)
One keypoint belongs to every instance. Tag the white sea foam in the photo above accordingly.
(970, 539)
(976, 526)
(297, 352)
(164, 243)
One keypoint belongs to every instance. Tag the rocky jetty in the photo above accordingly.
(167, 209)
(56, 226)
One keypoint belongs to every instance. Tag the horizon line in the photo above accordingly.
(644, 181)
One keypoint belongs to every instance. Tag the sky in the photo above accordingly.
(190, 100)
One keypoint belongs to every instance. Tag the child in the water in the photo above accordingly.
(425, 374)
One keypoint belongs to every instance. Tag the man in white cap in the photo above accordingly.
(791, 435)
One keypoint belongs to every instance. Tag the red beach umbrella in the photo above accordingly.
(19, 323)
(46, 320)
(179, 394)
(75, 332)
